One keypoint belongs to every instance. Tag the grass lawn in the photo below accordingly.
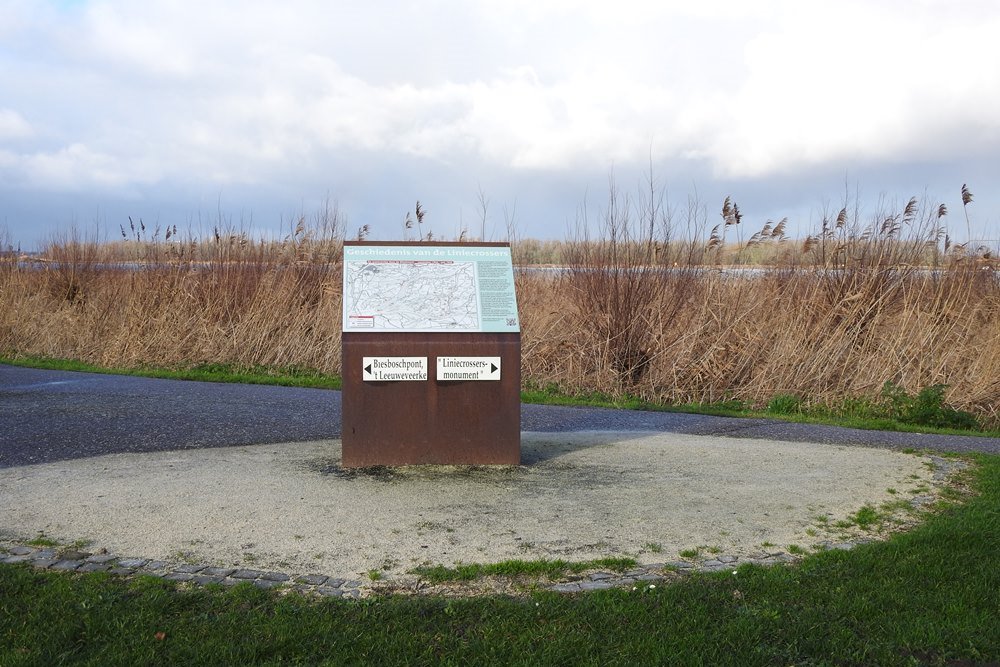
(285, 377)
(930, 596)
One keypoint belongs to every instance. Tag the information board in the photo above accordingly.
(427, 288)
(431, 355)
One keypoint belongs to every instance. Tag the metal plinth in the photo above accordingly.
(453, 422)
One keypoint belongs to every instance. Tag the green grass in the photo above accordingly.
(42, 541)
(866, 517)
(853, 414)
(286, 377)
(553, 395)
(858, 414)
(548, 569)
(928, 596)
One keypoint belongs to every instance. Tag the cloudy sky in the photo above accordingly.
(255, 112)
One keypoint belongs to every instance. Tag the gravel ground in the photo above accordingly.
(578, 496)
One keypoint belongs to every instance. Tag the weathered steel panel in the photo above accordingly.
(439, 422)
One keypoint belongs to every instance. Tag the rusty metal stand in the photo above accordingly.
(432, 421)
(405, 423)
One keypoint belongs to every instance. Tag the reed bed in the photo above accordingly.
(636, 309)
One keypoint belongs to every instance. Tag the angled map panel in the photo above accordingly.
(426, 288)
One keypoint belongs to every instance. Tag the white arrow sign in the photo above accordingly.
(451, 369)
(393, 369)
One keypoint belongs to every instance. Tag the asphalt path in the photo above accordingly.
(61, 415)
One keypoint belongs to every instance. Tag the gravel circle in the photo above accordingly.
(578, 496)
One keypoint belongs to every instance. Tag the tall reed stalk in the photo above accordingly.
(647, 303)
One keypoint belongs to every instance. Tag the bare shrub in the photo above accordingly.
(615, 282)
(859, 303)
(9, 256)
(184, 300)
(71, 265)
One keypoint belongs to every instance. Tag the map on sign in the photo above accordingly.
(413, 295)
(429, 288)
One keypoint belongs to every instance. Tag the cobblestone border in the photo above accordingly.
(75, 560)
(644, 575)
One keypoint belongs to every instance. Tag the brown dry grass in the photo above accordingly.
(833, 317)
(638, 312)
(225, 299)
(751, 339)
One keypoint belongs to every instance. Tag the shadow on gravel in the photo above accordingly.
(536, 448)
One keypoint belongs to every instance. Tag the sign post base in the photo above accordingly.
(453, 422)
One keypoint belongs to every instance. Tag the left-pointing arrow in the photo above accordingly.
(368, 369)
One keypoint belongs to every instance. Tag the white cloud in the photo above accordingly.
(146, 41)
(75, 168)
(860, 83)
(122, 94)
(13, 125)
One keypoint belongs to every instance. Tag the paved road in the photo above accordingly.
(59, 415)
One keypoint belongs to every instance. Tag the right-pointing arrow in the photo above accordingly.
(493, 369)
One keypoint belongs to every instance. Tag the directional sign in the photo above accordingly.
(394, 369)
(468, 368)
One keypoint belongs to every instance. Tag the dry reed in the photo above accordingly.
(637, 309)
